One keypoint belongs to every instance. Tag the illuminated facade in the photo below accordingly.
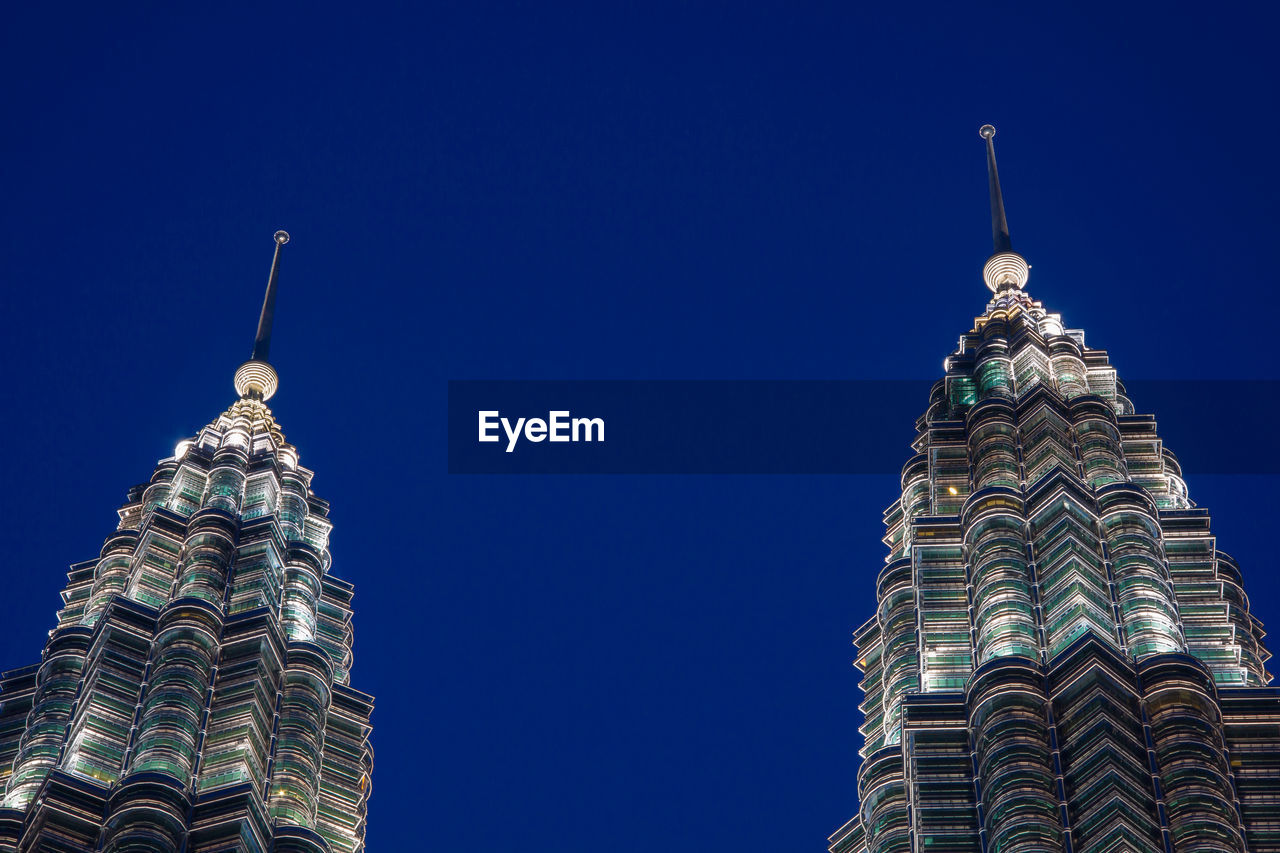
(1061, 659)
(194, 695)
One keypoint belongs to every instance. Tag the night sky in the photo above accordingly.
(651, 191)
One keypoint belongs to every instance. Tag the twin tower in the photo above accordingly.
(1061, 659)
(195, 695)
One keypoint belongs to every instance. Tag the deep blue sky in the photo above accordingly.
(481, 191)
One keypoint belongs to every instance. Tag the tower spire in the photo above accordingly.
(256, 379)
(262, 343)
(999, 225)
(1005, 269)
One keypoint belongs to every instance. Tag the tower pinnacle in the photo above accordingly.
(256, 379)
(1005, 269)
(999, 225)
(262, 343)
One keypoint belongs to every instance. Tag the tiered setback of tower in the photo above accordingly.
(1060, 654)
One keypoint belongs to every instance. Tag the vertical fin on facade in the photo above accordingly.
(256, 379)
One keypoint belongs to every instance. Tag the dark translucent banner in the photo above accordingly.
(794, 426)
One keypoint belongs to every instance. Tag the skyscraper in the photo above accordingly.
(194, 695)
(1061, 659)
